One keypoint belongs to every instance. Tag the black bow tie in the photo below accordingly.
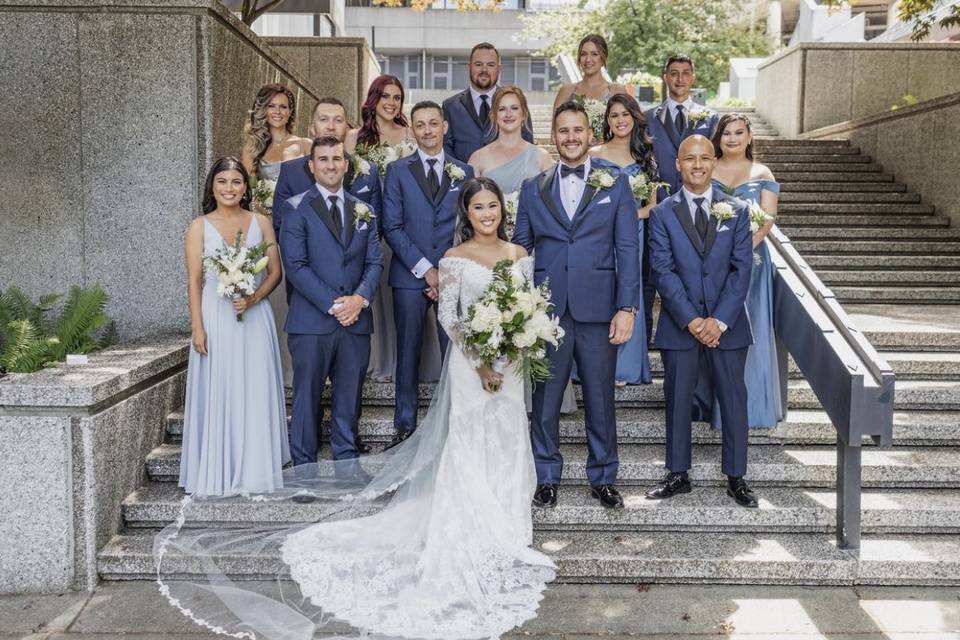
(578, 171)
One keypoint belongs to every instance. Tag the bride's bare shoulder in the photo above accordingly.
(516, 252)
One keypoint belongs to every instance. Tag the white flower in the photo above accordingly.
(696, 115)
(525, 338)
(722, 211)
(601, 179)
(758, 217)
(485, 318)
(454, 172)
(496, 337)
(511, 201)
(261, 264)
(362, 214)
(389, 154)
(525, 303)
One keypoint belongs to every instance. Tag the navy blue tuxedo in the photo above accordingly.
(666, 142)
(295, 178)
(592, 265)
(703, 279)
(321, 266)
(417, 227)
(465, 133)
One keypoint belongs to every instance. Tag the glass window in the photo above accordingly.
(442, 72)
(539, 75)
(508, 71)
(412, 78)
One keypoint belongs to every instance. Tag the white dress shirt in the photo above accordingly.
(571, 188)
(477, 101)
(341, 201)
(692, 206)
(423, 265)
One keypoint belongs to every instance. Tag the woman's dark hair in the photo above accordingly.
(726, 119)
(369, 133)
(256, 128)
(470, 188)
(641, 144)
(228, 163)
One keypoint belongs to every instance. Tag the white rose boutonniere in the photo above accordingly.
(362, 215)
(454, 172)
(361, 167)
(601, 179)
(697, 115)
(722, 211)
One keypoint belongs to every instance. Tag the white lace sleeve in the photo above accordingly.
(448, 307)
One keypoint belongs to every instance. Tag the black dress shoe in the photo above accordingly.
(362, 447)
(738, 490)
(608, 496)
(398, 437)
(672, 484)
(546, 496)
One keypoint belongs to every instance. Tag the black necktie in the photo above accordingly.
(432, 181)
(701, 219)
(680, 121)
(337, 218)
(484, 109)
(578, 171)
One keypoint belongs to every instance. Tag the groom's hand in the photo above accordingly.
(432, 276)
(621, 327)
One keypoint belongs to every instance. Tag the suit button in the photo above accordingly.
(564, 267)
(570, 241)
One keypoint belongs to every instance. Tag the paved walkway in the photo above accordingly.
(570, 612)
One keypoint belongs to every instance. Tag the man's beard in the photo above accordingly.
(479, 84)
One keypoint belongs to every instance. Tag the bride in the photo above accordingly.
(448, 555)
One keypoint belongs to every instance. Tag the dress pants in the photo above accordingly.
(410, 308)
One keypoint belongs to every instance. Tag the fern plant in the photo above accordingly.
(30, 339)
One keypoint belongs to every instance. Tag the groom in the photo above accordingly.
(581, 224)
(701, 255)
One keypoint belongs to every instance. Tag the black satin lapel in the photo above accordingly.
(348, 176)
(588, 193)
(444, 188)
(416, 168)
(467, 101)
(712, 224)
(683, 213)
(349, 220)
(546, 194)
(320, 206)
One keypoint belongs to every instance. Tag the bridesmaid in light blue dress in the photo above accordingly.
(629, 146)
(234, 432)
(737, 174)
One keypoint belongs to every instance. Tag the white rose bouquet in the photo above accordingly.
(643, 187)
(596, 110)
(235, 268)
(261, 190)
(384, 153)
(511, 201)
(512, 322)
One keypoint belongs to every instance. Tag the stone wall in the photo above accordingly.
(338, 67)
(113, 113)
(814, 85)
(73, 440)
(917, 144)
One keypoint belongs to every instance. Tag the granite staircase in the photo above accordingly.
(894, 264)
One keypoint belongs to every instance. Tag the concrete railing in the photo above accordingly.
(113, 113)
(819, 84)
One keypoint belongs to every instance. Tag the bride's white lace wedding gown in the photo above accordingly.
(449, 556)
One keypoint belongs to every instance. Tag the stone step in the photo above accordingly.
(867, 188)
(890, 278)
(155, 505)
(646, 426)
(831, 196)
(878, 248)
(883, 261)
(826, 157)
(897, 295)
(796, 466)
(641, 557)
(805, 144)
(870, 218)
(787, 177)
(778, 147)
(904, 234)
(906, 209)
(817, 167)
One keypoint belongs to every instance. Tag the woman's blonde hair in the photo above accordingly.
(256, 130)
(510, 89)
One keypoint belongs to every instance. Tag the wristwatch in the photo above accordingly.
(631, 310)
(366, 303)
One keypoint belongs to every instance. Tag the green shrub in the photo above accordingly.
(31, 339)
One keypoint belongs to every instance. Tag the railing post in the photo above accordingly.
(848, 495)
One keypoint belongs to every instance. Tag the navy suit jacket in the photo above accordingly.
(666, 142)
(465, 132)
(295, 178)
(321, 268)
(415, 225)
(701, 279)
(592, 262)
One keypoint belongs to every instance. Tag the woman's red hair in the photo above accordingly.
(369, 133)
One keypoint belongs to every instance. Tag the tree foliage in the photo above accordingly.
(641, 34)
(919, 13)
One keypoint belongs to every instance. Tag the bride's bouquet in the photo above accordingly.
(511, 322)
(235, 268)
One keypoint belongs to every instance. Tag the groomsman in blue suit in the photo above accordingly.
(468, 112)
(329, 119)
(702, 254)
(331, 256)
(419, 217)
(669, 124)
(580, 222)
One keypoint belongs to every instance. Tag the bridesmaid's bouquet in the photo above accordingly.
(235, 268)
(758, 217)
(643, 187)
(596, 110)
(512, 322)
(511, 201)
(384, 153)
(261, 191)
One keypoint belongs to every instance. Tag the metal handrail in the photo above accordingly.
(853, 383)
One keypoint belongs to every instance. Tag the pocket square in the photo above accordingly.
(722, 229)
(365, 189)
(361, 226)
(453, 189)
(605, 200)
